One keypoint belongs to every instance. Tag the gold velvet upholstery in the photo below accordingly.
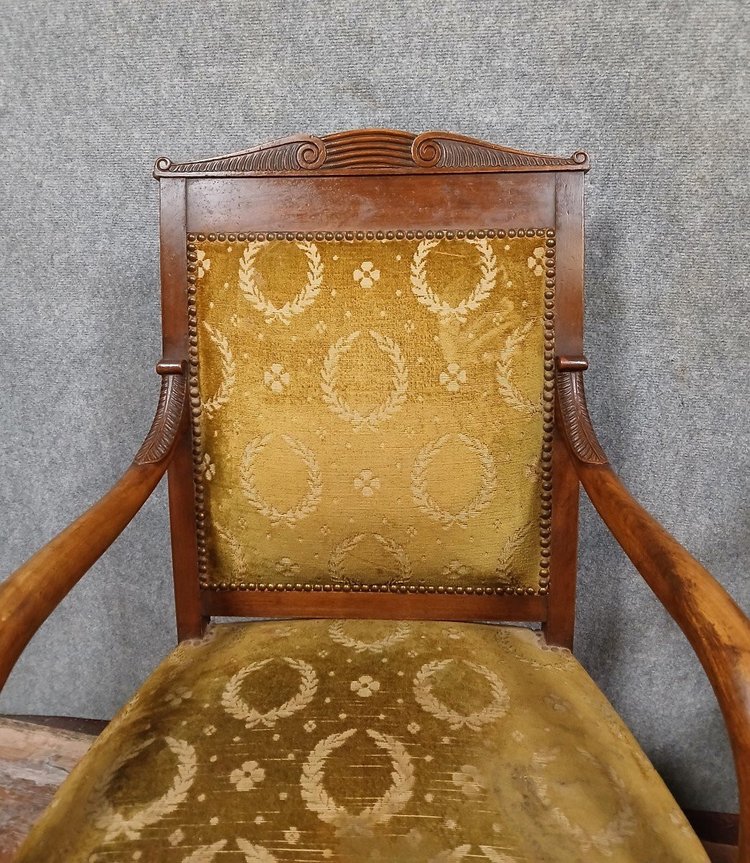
(372, 411)
(349, 741)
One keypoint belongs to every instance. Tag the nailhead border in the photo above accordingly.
(548, 398)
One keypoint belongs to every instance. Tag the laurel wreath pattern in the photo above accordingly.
(380, 413)
(302, 301)
(510, 551)
(255, 853)
(423, 694)
(427, 296)
(235, 548)
(116, 824)
(212, 404)
(236, 706)
(452, 855)
(336, 631)
(398, 552)
(312, 496)
(319, 363)
(206, 853)
(495, 856)
(622, 824)
(509, 392)
(478, 504)
(319, 801)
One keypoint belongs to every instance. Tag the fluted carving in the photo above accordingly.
(444, 150)
(575, 418)
(367, 150)
(166, 422)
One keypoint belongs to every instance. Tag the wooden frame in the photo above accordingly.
(383, 180)
(376, 183)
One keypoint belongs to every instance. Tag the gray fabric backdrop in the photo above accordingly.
(91, 92)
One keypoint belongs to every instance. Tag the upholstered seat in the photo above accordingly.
(365, 741)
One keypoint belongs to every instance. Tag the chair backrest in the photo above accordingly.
(370, 321)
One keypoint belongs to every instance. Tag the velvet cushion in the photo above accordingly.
(371, 411)
(349, 741)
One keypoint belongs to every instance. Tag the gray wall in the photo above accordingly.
(91, 92)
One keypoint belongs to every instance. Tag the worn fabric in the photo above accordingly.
(362, 741)
(372, 410)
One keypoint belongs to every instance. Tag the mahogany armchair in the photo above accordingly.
(373, 422)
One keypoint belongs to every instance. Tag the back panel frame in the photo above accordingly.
(372, 181)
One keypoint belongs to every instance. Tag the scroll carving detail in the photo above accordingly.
(366, 150)
(576, 420)
(166, 422)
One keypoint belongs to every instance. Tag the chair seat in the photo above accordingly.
(354, 741)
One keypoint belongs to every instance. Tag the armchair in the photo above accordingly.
(374, 426)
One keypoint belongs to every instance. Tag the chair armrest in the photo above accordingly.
(716, 628)
(31, 593)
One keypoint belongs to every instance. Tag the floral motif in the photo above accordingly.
(202, 263)
(310, 726)
(413, 728)
(276, 378)
(468, 780)
(177, 696)
(453, 378)
(292, 836)
(245, 778)
(456, 569)
(287, 567)
(367, 483)
(536, 261)
(209, 468)
(366, 274)
(365, 686)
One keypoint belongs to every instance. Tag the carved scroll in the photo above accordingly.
(166, 422)
(371, 150)
(575, 418)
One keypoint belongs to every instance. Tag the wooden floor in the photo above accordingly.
(34, 760)
(35, 757)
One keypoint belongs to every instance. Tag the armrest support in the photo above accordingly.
(31, 593)
(714, 625)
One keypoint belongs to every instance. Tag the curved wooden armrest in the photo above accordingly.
(30, 594)
(716, 628)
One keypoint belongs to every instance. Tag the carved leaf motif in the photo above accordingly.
(166, 422)
(576, 419)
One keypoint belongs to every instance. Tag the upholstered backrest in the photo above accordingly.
(372, 409)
